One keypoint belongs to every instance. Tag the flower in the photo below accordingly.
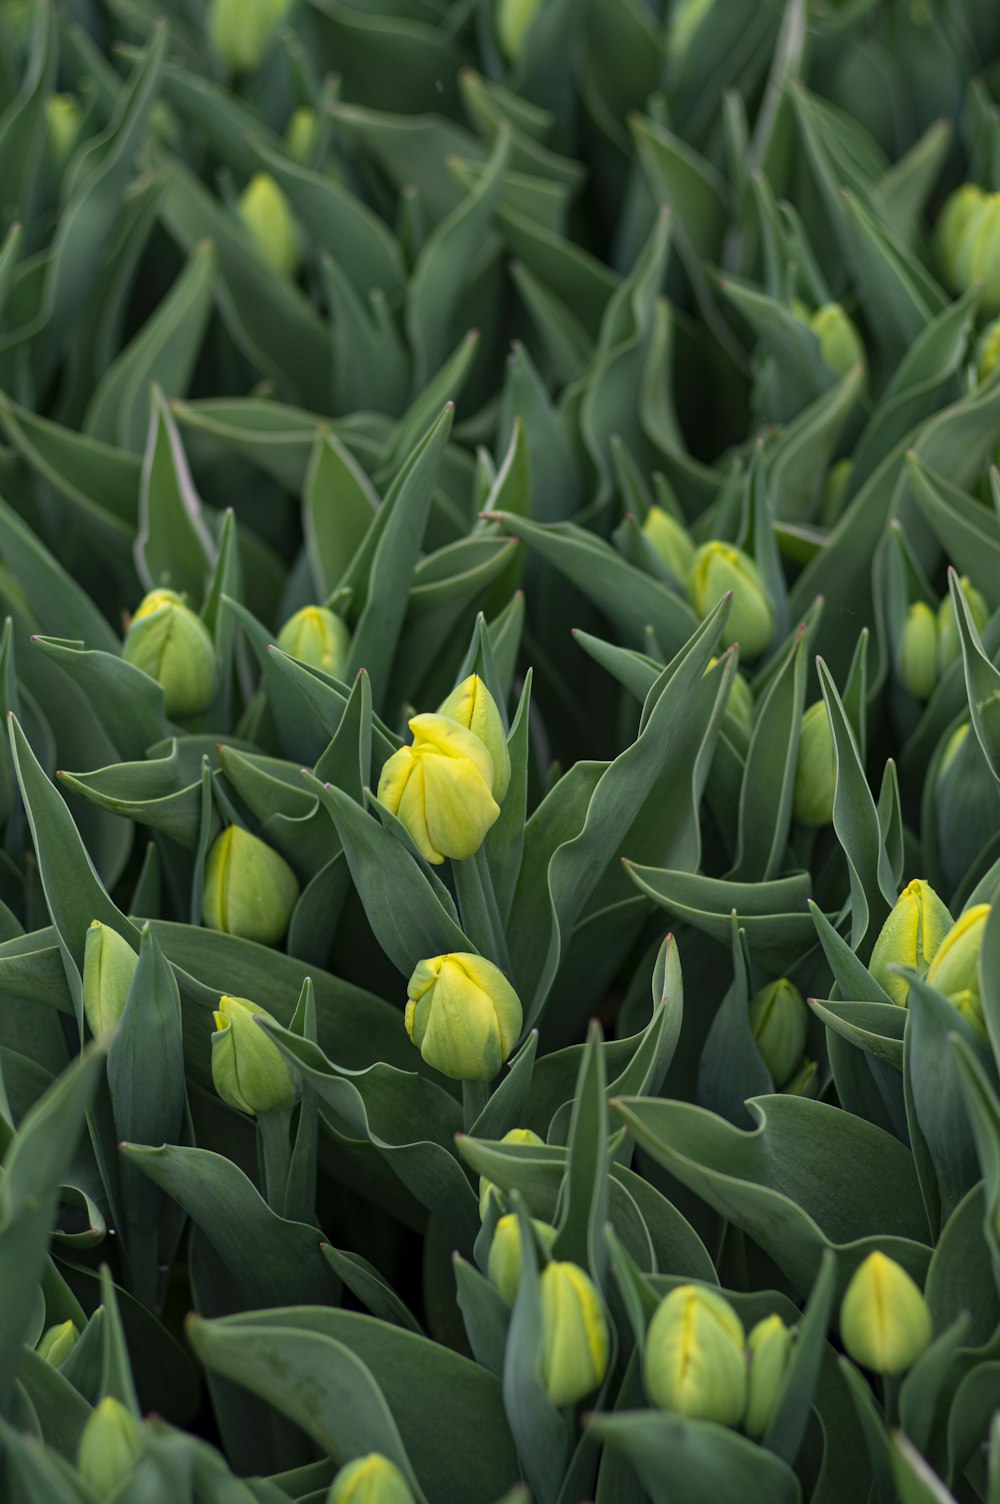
(249, 1071)
(109, 964)
(109, 1445)
(575, 1342)
(463, 1015)
(318, 637)
(249, 890)
(718, 568)
(441, 787)
(504, 1262)
(671, 541)
(694, 1361)
(372, 1479)
(769, 1347)
(267, 214)
(778, 1021)
(884, 1320)
(172, 645)
(911, 935)
(473, 707)
(918, 651)
(815, 769)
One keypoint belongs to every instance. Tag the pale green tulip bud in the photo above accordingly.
(241, 31)
(952, 748)
(267, 214)
(978, 257)
(769, 1347)
(918, 651)
(694, 1360)
(740, 703)
(58, 1342)
(463, 1015)
(370, 1480)
(969, 1004)
(778, 1021)
(959, 210)
(472, 706)
(884, 1320)
(513, 21)
(718, 568)
(815, 768)
(249, 890)
(486, 1187)
(988, 350)
(575, 1342)
(300, 134)
(318, 637)
(954, 969)
(910, 936)
(805, 1082)
(172, 645)
(440, 788)
(949, 642)
(249, 1071)
(62, 113)
(671, 540)
(835, 489)
(504, 1263)
(839, 341)
(109, 1446)
(109, 964)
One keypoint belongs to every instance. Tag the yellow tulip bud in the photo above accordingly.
(815, 768)
(300, 134)
(441, 788)
(949, 641)
(513, 21)
(248, 1070)
(267, 214)
(504, 1263)
(694, 1360)
(58, 1342)
(473, 707)
(241, 31)
(370, 1480)
(671, 541)
(778, 1021)
(988, 350)
(959, 210)
(740, 702)
(172, 645)
(769, 1347)
(62, 112)
(109, 1445)
(486, 1187)
(918, 651)
(969, 1004)
(718, 568)
(109, 964)
(575, 1342)
(910, 936)
(249, 889)
(884, 1320)
(954, 969)
(839, 341)
(318, 637)
(463, 1015)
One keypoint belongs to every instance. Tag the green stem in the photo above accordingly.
(891, 1385)
(475, 1095)
(274, 1142)
(479, 910)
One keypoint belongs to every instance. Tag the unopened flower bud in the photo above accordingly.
(300, 134)
(778, 1021)
(910, 936)
(884, 1320)
(267, 214)
(769, 1347)
(815, 768)
(472, 706)
(671, 540)
(575, 1342)
(109, 1446)
(58, 1342)
(240, 31)
(370, 1480)
(463, 1015)
(988, 350)
(918, 651)
(839, 341)
(949, 641)
(740, 702)
(694, 1360)
(249, 1071)
(172, 645)
(249, 889)
(109, 964)
(955, 967)
(969, 1004)
(504, 1263)
(317, 637)
(62, 113)
(718, 568)
(959, 210)
(978, 258)
(805, 1081)
(486, 1187)
(834, 491)
(441, 788)
(513, 21)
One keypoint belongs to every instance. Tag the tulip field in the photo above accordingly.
(500, 765)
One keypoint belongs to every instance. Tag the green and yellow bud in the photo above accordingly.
(884, 1321)
(370, 1480)
(769, 1347)
(241, 31)
(249, 889)
(959, 210)
(441, 788)
(109, 964)
(513, 21)
(486, 1187)
(694, 1361)
(778, 1022)
(834, 491)
(463, 1015)
(575, 1342)
(63, 118)
(172, 645)
(267, 214)
(988, 350)
(805, 1081)
(472, 706)
(955, 967)
(910, 936)
(918, 651)
(248, 1070)
(740, 703)
(718, 568)
(839, 341)
(949, 642)
(109, 1446)
(969, 1004)
(504, 1263)
(300, 134)
(978, 258)
(319, 638)
(671, 541)
(58, 1342)
(815, 768)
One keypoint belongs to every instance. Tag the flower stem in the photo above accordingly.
(475, 1095)
(480, 913)
(274, 1144)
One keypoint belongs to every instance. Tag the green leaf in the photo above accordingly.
(174, 547)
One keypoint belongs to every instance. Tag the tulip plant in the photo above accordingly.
(500, 774)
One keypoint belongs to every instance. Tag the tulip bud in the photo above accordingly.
(318, 637)
(671, 541)
(472, 706)
(463, 1015)
(884, 1320)
(249, 1071)
(172, 645)
(805, 1082)
(58, 1342)
(988, 350)
(240, 31)
(978, 258)
(504, 1263)
(109, 1445)
(949, 641)
(740, 702)
(267, 214)
(969, 1004)
(718, 568)
(954, 969)
(249, 890)
(839, 341)
(918, 651)
(959, 210)
(694, 1361)
(62, 112)
(910, 936)
(109, 964)
(834, 491)
(575, 1343)
(300, 134)
(486, 1187)
(370, 1480)
(769, 1347)
(778, 1020)
(513, 21)
(441, 788)
(815, 769)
